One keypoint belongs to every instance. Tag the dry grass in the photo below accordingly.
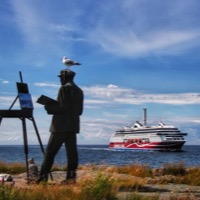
(133, 170)
(192, 177)
(102, 182)
(176, 169)
(12, 168)
(37, 193)
(177, 173)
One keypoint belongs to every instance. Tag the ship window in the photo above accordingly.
(145, 140)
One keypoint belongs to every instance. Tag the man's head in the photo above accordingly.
(66, 75)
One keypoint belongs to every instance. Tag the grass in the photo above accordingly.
(176, 169)
(99, 188)
(135, 170)
(37, 193)
(12, 168)
(102, 182)
(17, 168)
(192, 177)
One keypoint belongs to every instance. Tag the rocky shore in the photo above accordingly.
(143, 186)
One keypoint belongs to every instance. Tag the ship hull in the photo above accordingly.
(159, 146)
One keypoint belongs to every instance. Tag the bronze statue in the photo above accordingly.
(65, 125)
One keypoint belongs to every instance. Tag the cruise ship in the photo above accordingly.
(140, 136)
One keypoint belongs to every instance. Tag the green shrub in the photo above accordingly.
(7, 193)
(14, 168)
(98, 189)
(174, 169)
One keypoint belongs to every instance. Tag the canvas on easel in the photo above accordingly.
(24, 96)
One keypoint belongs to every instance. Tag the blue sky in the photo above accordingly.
(135, 54)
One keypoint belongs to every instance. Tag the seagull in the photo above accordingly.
(66, 61)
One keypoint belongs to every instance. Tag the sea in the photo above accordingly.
(101, 154)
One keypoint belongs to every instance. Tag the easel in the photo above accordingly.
(26, 112)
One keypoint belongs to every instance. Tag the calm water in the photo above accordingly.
(99, 154)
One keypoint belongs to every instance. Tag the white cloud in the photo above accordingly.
(6, 102)
(28, 20)
(61, 28)
(96, 101)
(38, 28)
(5, 82)
(97, 131)
(98, 126)
(128, 43)
(46, 85)
(109, 91)
(125, 28)
(117, 95)
(110, 95)
(138, 31)
(173, 99)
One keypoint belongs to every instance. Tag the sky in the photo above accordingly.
(134, 54)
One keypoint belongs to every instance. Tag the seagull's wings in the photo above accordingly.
(68, 62)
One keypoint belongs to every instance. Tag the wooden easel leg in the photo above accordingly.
(39, 139)
(25, 146)
(38, 136)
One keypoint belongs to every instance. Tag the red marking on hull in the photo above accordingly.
(153, 146)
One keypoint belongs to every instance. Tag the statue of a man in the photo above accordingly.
(64, 126)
